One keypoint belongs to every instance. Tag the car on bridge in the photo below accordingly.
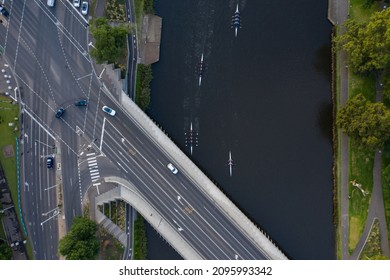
(172, 168)
(60, 112)
(109, 111)
(4, 11)
(81, 102)
(50, 162)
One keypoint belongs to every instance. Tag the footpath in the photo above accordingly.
(338, 13)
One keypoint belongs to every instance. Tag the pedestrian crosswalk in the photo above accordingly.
(93, 167)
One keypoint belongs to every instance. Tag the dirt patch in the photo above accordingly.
(8, 151)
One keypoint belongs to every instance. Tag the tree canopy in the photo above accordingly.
(5, 251)
(367, 122)
(367, 45)
(110, 41)
(81, 242)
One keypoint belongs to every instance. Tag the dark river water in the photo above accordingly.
(266, 97)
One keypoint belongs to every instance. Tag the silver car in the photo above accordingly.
(84, 8)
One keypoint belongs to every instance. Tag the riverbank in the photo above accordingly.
(354, 166)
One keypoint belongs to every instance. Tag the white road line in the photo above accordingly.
(97, 188)
(20, 31)
(101, 138)
(31, 116)
(90, 154)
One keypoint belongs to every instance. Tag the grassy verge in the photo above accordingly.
(139, 13)
(360, 169)
(360, 161)
(361, 84)
(359, 12)
(8, 113)
(140, 242)
(337, 142)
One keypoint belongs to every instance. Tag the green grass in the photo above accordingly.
(8, 112)
(139, 13)
(360, 169)
(359, 13)
(361, 84)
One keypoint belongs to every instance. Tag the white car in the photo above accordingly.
(108, 110)
(84, 8)
(76, 3)
(172, 168)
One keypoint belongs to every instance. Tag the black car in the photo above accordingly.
(50, 162)
(4, 11)
(81, 102)
(60, 112)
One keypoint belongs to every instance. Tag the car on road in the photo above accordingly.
(172, 168)
(108, 110)
(51, 3)
(76, 3)
(81, 102)
(84, 8)
(60, 112)
(50, 162)
(4, 11)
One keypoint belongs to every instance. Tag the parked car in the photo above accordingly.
(81, 102)
(84, 8)
(50, 162)
(60, 112)
(172, 168)
(108, 110)
(76, 3)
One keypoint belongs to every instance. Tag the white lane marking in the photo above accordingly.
(90, 154)
(20, 31)
(32, 117)
(62, 28)
(101, 138)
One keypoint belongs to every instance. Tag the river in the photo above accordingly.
(265, 96)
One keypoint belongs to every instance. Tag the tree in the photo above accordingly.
(81, 242)
(110, 41)
(367, 45)
(367, 122)
(5, 251)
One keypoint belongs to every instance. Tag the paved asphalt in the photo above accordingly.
(47, 49)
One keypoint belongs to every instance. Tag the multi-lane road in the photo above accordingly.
(47, 48)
